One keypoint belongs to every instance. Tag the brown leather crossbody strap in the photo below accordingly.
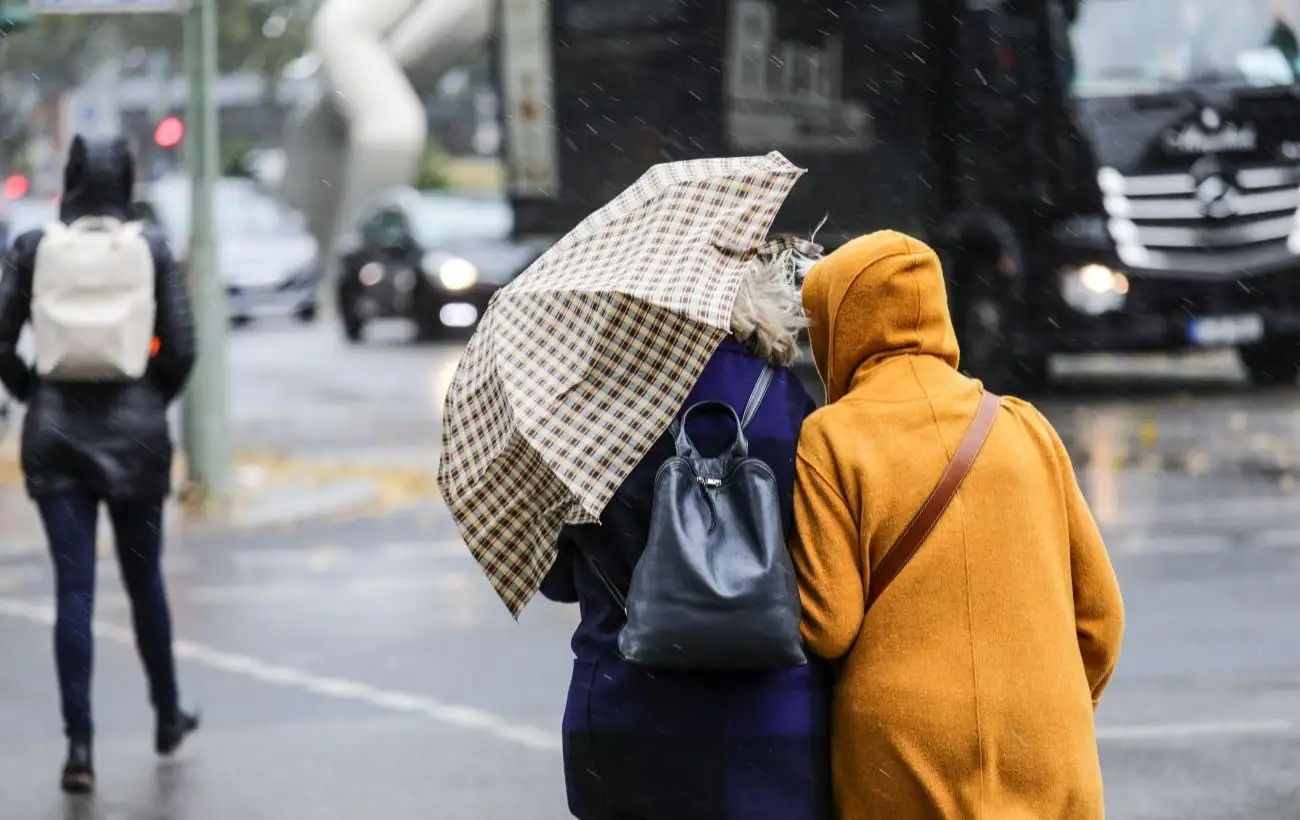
(933, 508)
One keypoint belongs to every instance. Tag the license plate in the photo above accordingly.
(1214, 331)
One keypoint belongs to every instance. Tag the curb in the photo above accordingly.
(281, 491)
(338, 491)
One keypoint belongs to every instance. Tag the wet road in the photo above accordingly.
(296, 390)
(364, 668)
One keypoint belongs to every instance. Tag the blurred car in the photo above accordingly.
(18, 216)
(431, 257)
(267, 260)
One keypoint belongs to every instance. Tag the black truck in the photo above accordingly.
(1097, 175)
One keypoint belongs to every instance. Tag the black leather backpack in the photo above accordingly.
(715, 587)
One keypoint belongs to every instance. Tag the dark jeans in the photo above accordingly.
(70, 521)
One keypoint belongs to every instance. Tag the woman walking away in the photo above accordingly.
(967, 688)
(645, 743)
(97, 292)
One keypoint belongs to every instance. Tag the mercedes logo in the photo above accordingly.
(1216, 197)
(1210, 189)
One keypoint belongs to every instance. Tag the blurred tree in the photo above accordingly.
(235, 158)
(432, 172)
(254, 35)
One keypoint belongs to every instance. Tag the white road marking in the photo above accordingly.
(1181, 731)
(449, 714)
(522, 734)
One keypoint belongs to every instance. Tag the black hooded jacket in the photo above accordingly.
(110, 439)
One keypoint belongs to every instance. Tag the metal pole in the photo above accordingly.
(205, 407)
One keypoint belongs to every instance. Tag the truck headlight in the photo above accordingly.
(1094, 289)
(452, 272)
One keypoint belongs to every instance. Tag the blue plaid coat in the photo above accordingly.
(655, 745)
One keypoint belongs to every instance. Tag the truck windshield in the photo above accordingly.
(1124, 47)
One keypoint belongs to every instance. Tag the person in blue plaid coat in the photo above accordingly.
(643, 744)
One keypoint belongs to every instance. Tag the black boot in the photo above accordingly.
(172, 729)
(79, 770)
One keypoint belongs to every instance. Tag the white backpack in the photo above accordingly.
(93, 302)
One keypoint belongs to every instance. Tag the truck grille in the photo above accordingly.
(1209, 220)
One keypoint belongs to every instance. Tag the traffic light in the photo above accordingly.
(170, 132)
(16, 187)
(15, 15)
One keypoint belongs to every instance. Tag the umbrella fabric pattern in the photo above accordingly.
(582, 362)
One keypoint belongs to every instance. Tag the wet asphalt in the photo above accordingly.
(364, 668)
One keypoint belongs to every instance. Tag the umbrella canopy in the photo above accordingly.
(581, 363)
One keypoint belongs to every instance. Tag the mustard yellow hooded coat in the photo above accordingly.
(968, 690)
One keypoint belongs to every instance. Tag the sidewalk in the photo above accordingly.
(321, 430)
(269, 491)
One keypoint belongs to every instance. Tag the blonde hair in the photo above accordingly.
(768, 315)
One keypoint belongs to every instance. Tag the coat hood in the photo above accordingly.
(98, 180)
(876, 297)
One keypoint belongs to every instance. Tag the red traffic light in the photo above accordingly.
(16, 187)
(169, 132)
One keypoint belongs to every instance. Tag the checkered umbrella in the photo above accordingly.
(582, 362)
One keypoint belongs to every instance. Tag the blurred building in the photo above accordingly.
(462, 112)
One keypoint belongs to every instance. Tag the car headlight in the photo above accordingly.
(1094, 289)
(452, 272)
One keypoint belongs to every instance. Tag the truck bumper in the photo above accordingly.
(1186, 315)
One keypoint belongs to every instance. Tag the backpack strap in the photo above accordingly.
(933, 508)
(620, 599)
(751, 407)
(756, 398)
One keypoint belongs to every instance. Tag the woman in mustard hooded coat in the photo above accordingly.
(968, 690)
